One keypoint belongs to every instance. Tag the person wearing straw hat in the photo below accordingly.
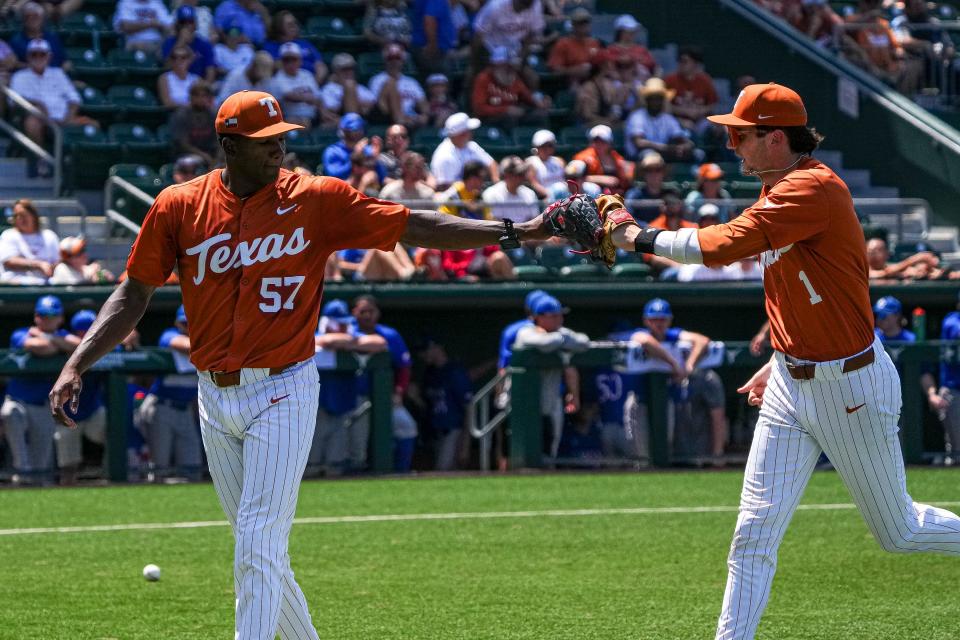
(654, 128)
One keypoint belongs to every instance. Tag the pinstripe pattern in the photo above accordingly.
(798, 419)
(257, 452)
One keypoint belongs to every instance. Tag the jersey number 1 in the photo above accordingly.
(272, 297)
(814, 296)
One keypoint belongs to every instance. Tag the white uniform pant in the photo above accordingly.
(257, 436)
(29, 430)
(69, 441)
(798, 420)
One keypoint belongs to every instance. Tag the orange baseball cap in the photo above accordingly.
(253, 114)
(765, 105)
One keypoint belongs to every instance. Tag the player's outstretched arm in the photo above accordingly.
(116, 319)
(435, 230)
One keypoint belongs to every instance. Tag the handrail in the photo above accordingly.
(479, 422)
(57, 158)
(133, 190)
(115, 216)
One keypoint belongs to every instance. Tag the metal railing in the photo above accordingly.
(45, 204)
(56, 159)
(479, 422)
(116, 182)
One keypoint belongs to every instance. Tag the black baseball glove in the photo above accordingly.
(588, 223)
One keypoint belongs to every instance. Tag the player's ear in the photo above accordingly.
(229, 145)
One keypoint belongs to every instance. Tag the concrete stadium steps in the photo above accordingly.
(14, 182)
(943, 239)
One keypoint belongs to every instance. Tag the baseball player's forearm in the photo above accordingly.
(681, 246)
(116, 319)
(435, 230)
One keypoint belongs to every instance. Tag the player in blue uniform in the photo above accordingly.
(888, 316)
(945, 400)
(447, 391)
(29, 426)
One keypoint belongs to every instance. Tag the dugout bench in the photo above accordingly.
(118, 365)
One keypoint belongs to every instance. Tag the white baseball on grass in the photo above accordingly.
(151, 572)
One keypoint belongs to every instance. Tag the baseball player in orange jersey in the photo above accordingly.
(250, 242)
(829, 386)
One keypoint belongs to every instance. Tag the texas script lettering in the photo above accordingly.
(246, 254)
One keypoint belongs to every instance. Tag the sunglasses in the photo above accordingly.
(738, 134)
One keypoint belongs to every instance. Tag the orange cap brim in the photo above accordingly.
(730, 120)
(273, 130)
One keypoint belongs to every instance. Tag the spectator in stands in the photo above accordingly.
(548, 334)
(709, 187)
(605, 166)
(512, 24)
(400, 98)
(143, 23)
(363, 173)
(173, 86)
(342, 93)
(249, 15)
(234, 52)
(8, 62)
(746, 269)
(440, 105)
(446, 392)
(502, 99)
(256, 76)
(26, 418)
(296, 87)
(50, 90)
(204, 16)
(75, 266)
(571, 55)
(192, 126)
(654, 171)
(545, 169)
(292, 162)
(876, 48)
(457, 149)
(396, 144)
(387, 22)
(57, 10)
(375, 266)
(285, 28)
(412, 182)
(337, 160)
(671, 218)
(91, 414)
(603, 97)
(576, 175)
(472, 265)
(366, 312)
(707, 215)
(34, 27)
(466, 192)
(185, 34)
(916, 32)
(945, 401)
(625, 48)
(510, 198)
(816, 19)
(653, 128)
(28, 253)
(694, 94)
(433, 34)
(918, 266)
(187, 168)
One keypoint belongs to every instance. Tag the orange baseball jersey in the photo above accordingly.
(251, 269)
(810, 245)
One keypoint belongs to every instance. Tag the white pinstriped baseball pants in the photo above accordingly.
(798, 419)
(257, 451)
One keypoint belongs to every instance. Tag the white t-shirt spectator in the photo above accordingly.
(410, 91)
(142, 11)
(394, 192)
(519, 207)
(229, 59)
(744, 270)
(701, 273)
(179, 88)
(44, 245)
(53, 90)
(549, 172)
(447, 161)
(498, 25)
(237, 80)
(282, 84)
(332, 94)
(660, 129)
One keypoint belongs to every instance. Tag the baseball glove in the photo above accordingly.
(588, 224)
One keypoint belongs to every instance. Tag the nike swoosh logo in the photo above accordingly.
(275, 400)
(856, 408)
(763, 117)
(280, 211)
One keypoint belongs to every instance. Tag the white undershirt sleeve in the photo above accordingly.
(681, 246)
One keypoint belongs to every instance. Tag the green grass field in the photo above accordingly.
(654, 574)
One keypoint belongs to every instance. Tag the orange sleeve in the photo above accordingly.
(480, 98)
(347, 219)
(154, 252)
(793, 210)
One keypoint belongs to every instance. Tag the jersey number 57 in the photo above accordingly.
(270, 291)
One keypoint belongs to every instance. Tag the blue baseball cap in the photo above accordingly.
(352, 122)
(181, 314)
(337, 310)
(657, 308)
(82, 320)
(547, 304)
(887, 306)
(49, 306)
(186, 13)
(532, 297)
